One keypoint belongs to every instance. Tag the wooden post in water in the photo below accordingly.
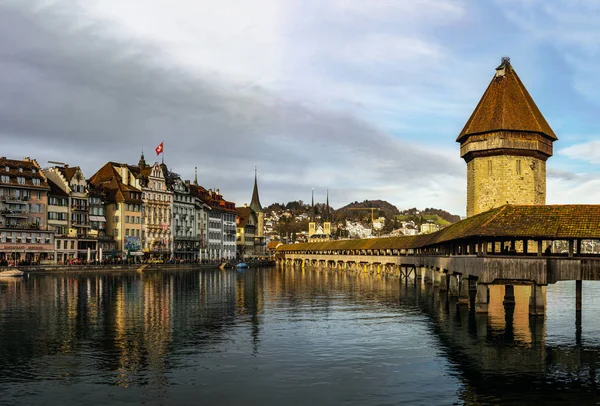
(443, 282)
(578, 291)
(482, 298)
(509, 295)
(463, 294)
(537, 300)
(453, 285)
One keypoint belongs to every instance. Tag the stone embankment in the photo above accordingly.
(129, 267)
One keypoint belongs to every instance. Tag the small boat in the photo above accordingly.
(11, 273)
(241, 265)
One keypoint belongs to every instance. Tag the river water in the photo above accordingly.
(286, 337)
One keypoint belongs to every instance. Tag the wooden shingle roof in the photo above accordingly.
(506, 105)
(553, 222)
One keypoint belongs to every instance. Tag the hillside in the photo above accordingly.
(438, 216)
(384, 209)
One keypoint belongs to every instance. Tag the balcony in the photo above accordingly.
(15, 213)
(79, 207)
(15, 199)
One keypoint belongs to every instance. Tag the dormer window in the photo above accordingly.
(21, 170)
(6, 168)
(36, 182)
(33, 170)
(20, 180)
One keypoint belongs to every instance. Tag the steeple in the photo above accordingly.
(327, 205)
(255, 203)
(196, 175)
(312, 206)
(142, 161)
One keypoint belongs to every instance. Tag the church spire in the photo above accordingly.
(312, 206)
(142, 161)
(255, 203)
(196, 175)
(327, 215)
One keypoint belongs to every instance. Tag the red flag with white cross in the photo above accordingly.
(159, 149)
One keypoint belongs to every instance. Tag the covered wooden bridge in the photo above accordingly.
(509, 245)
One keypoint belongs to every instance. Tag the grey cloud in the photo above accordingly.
(74, 91)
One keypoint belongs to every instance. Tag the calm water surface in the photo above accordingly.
(275, 337)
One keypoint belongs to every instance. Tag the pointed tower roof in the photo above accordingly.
(327, 216)
(506, 106)
(255, 203)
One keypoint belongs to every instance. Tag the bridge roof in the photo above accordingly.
(509, 221)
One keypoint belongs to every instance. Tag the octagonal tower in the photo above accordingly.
(505, 144)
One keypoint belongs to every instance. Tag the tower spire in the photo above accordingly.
(255, 203)
(312, 205)
(327, 205)
(196, 175)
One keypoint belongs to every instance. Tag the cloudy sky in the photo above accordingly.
(363, 97)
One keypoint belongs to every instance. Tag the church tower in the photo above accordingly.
(257, 208)
(505, 144)
(312, 225)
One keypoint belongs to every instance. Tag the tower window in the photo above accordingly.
(489, 167)
(518, 166)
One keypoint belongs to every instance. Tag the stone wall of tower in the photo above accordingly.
(497, 180)
(260, 226)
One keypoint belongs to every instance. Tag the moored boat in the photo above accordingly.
(242, 265)
(11, 273)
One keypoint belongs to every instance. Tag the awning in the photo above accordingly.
(97, 218)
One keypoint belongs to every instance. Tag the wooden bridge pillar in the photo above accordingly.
(537, 300)
(428, 276)
(578, 289)
(443, 282)
(482, 298)
(509, 295)
(436, 278)
(463, 294)
(453, 289)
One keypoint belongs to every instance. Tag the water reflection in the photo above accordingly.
(275, 335)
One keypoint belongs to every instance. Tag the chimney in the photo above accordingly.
(125, 175)
(245, 205)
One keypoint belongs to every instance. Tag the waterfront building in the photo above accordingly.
(186, 236)
(157, 238)
(24, 234)
(505, 144)
(221, 226)
(201, 210)
(98, 223)
(65, 243)
(429, 227)
(120, 184)
(246, 231)
(74, 184)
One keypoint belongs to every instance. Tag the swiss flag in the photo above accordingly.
(159, 149)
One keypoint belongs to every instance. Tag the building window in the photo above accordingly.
(489, 167)
(21, 170)
(57, 244)
(126, 219)
(21, 180)
(72, 245)
(36, 182)
(518, 166)
(5, 178)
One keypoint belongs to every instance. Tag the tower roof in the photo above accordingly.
(255, 203)
(506, 106)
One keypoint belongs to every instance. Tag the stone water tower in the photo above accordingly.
(505, 144)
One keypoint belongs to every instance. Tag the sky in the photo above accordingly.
(361, 97)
